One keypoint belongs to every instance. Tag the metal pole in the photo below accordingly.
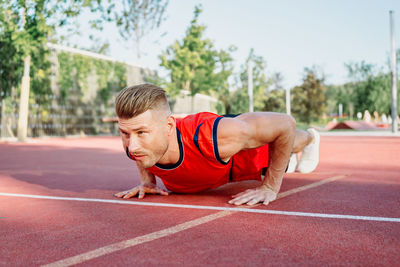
(393, 72)
(250, 84)
(340, 110)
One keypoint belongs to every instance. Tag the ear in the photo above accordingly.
(171, 124)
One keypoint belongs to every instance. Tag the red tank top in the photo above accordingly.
(199, 166)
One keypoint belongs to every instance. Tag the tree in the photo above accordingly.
(308, 99)
(339, 94)
(261, 84)
(138, 18)
(275, 100)
(370, 88)
(25, 28)
(21, 36)
(221, 87)
(195, 65)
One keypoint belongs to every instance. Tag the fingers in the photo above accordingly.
(249, 197)
(249, 200)
(141, 191)
(123, 193)
(120, 194)
(253, 196)
(269, 199)
(127, 194)
(254, 201)
(241, 193)
(131, 193)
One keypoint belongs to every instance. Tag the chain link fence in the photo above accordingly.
(51, 116)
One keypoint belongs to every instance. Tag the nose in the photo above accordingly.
(133, 144)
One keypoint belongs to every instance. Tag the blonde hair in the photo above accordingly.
(135, 100)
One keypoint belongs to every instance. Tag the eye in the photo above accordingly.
(124, 133)
(140, 132)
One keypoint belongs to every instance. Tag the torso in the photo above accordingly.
(199, 166)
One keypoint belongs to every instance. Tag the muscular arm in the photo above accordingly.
(253, 130)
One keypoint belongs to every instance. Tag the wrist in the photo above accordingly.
(273, 182)
(148, 179)
(269, 188)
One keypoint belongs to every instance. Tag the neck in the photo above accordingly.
(172, 154)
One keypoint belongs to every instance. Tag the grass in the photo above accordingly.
(304, 126)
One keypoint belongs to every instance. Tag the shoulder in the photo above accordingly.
(233, 135)
(251, 130)
(191, 122)
(235, 127)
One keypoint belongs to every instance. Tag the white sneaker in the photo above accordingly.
(292, 163)
(310, 157)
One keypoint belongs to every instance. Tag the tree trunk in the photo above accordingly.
(24, 102)
(24, 97)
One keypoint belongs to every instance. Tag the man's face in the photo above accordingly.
(146, 136)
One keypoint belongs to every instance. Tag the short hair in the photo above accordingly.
(134, 100)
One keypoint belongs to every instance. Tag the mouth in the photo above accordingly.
(134, 156)
(138, 157)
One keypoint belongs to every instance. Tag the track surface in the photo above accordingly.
(34, 232)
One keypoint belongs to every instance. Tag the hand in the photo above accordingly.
(141, 190)
(254, 196)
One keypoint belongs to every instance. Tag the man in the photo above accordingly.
(204, 150)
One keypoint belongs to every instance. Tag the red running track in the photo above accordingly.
(41, 231)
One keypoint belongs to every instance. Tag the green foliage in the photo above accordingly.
(275, 101)
(335, 95)
(11, 63)
(261, 84)
(111, 78)
(308, 99)
(369, 88)
(21, 38)
(65, 75)
(194, 64)
(239, 101)
(75, 70)
(25, 27)
(224, 69)
(276, 98)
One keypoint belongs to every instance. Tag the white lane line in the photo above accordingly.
(175, 229)
(136, 241)
(309, 186)
(155, 204)
(170, 205)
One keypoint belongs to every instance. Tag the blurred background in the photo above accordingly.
(327, 63)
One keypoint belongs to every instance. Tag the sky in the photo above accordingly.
(290, 35)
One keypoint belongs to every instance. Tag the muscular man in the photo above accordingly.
(205, 150)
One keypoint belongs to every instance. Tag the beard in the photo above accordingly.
(150, 158)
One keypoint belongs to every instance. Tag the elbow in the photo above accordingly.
(290, 124)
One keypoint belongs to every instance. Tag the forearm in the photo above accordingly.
(279, 154)
(146, 176)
